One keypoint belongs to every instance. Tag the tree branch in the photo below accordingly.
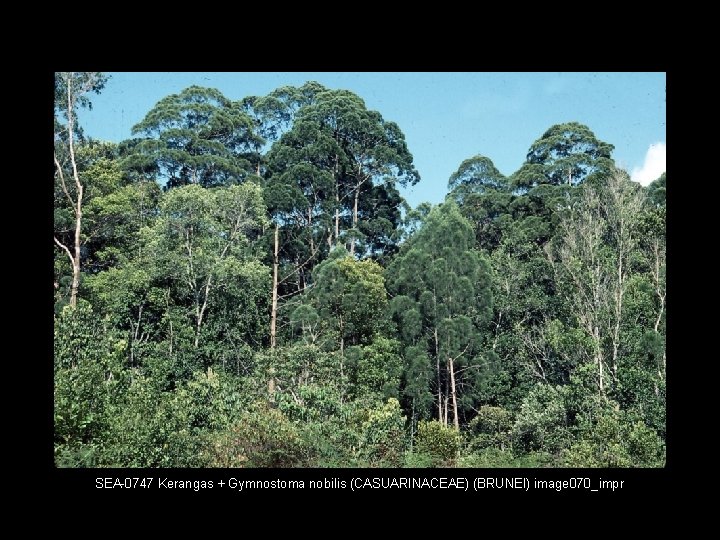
(62, 182)
(66, 249)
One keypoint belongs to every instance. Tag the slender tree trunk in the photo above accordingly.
(273, 311)
(76, 204)
(446, 407)
(355, 220)
(337, 202)
(451, 368)
(200, 312)
(616, 328)
(337, 219)
(413, 421)
(599, 360)
(78, 195)
(310, 229)
(439, 379)
(76, 264)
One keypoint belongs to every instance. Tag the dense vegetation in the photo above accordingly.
(242, 285)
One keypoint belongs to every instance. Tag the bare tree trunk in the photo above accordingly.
(603, 212)
(355, 220)
(451, 369)
(413, 421)
(77, 203)
(273, 311)
(200, 313)
(337, 219)
(167, 304)
(439, 380)
(445, 410)
(310, 228)
(337, 202)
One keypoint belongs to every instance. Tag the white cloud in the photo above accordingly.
(653, 167)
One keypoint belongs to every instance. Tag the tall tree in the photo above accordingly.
(276, 112)
(349, 297)
(367, 150)
(203, 242)
(442, 299)
(483, 195)
(565, 154)
(199, 137)
(71, 91)
(597, 240)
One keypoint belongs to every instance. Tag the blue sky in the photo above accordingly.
(446, 117)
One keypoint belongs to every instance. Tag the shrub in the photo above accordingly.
(491, 427)
(262, 437)
(439, 442)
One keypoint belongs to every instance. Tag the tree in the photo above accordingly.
(199, 137)
(597, 240)
(441, 301)
(565, 154)
(350, 299)
(358, 148)
(202, 241)
(475, 175)
(276, 112)
(483, 195)
(71, 91)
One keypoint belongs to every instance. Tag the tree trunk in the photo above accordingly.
(599, 360)
(355, 220)
(76, 204)
(445, 410)
(337, 219)
(337, 202)
(439, 379)
(451, 368)
(273, 311)
(310, 229)
(413, 422)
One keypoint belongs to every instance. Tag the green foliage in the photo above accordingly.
(383, 435)
(441, 443)
(414, 460)
(565, 154)
(613, 440)
(261, 437)
(376, 369)
(495, 458)
(198, 137)
(477, 174)
(542, 423)
(442, 299)
(88, 377)
(350, 298)
(533, 305)
(334, 172)
(491, 427)
(150, 428)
